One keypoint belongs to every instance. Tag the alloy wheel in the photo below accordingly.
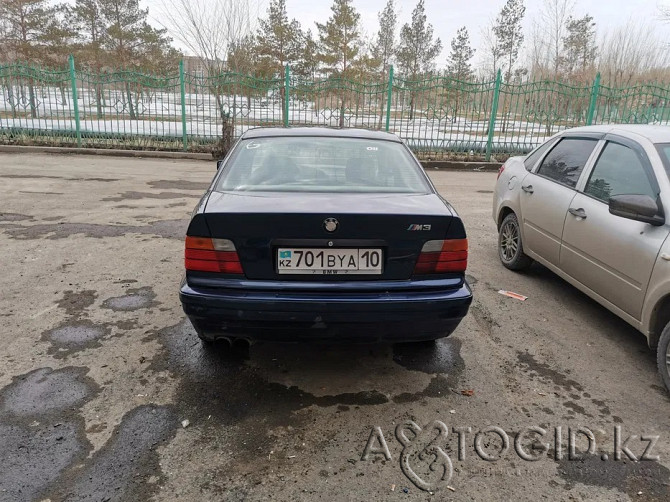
(509, 241)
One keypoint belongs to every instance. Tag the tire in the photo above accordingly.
(663, 356)
(510, 247)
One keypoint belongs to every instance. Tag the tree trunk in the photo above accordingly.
(10, 98)
(233, 116)
(411, 106)
(282, 93)
(63, 95)
(98, 99)
(219, 104)
(382, 107)
(129, 97)
(31, 93)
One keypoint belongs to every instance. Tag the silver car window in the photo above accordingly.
(618, 171)
(664, 151)
(565, 162)
(535, 155)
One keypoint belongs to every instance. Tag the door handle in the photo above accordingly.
(665, 256)
(527, 188)
(579, 213)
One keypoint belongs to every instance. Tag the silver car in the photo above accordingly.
(590, 204)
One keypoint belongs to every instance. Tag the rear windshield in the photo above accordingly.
(322, 164)
(664, 151)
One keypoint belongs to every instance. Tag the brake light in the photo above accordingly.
(439, 257)
(204, 254)
(500, 170)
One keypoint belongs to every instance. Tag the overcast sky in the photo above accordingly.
(447, 16)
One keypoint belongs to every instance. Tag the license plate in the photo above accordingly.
(328, 261)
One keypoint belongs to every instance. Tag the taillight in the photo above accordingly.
(500, 170)
(211, 255)
(440, 257)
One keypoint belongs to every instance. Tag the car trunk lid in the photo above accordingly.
(260, 224)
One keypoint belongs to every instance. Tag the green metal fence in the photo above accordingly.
(437, 116)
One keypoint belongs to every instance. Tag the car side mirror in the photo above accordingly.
(638, 207)
(219, 163)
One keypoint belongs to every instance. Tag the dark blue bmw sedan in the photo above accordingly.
(312, 234)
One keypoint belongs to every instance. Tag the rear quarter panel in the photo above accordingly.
(659, 288)
(508, 187)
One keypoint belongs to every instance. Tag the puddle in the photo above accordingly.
(442, 356)
(243, 391)
(31, 458)
(71, 338)
(75, 302)
(136, 299)
(530, 365)
(644, 481)
(45, 391)
(44, 450)
(120, 469)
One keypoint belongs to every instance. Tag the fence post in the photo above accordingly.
(594, 100)
(388, 98)
(494, 112)
(182, 86)
(75, 99)
(287, 84)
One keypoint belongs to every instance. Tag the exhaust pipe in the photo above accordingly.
(242, 343)
(241, 347)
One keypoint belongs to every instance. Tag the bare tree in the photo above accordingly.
(629, 52)
(209, 28)
(549, 32)
(490, 52)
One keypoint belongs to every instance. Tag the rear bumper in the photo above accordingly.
(296, 315)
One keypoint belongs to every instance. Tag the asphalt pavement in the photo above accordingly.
(106, 393)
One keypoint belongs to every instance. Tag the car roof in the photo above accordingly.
(654, 133)
(327, 132)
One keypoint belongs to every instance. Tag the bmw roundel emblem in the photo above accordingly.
(330, 224)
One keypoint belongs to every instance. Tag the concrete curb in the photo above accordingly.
(147, 154)
(453, 165)
(457, 165)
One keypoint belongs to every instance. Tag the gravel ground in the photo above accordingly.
(106, 393)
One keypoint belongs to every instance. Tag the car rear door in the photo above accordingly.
(610, 255)
(547, 193)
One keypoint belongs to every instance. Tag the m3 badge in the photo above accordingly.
(415, 227)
